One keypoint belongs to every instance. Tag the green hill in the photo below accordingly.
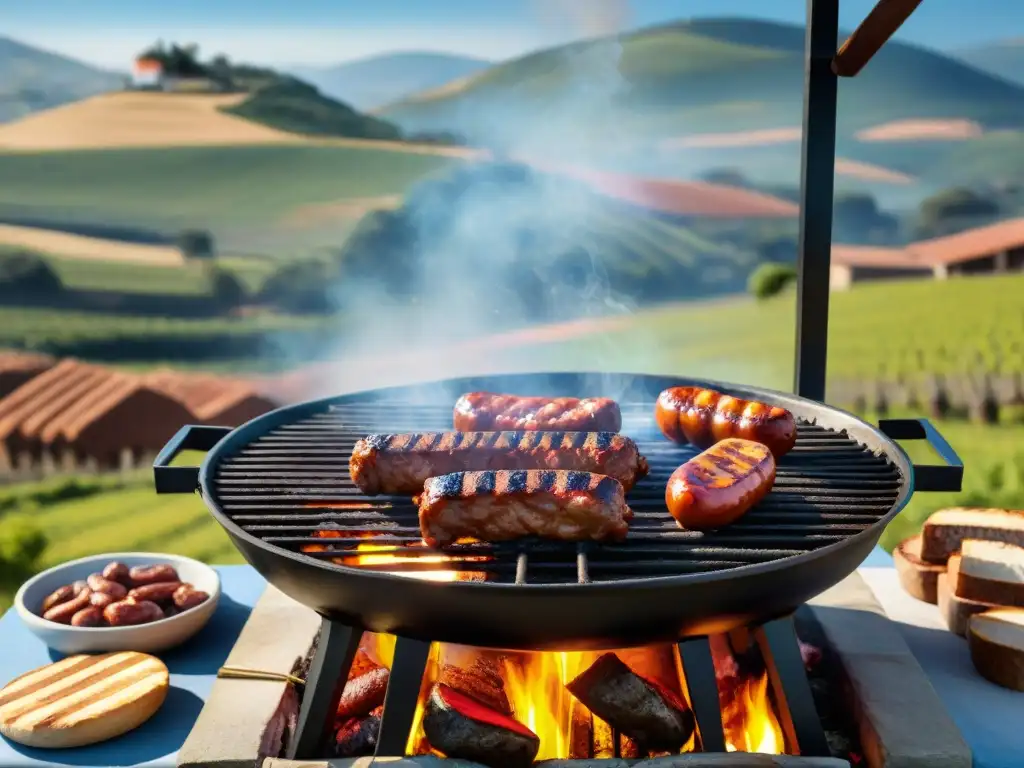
(31, 79)
(700, 76)
(289, 104)
(1004, 58)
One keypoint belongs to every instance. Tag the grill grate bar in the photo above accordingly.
(291, 488)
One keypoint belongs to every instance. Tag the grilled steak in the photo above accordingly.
(484, 410)
(703, 417)
(500, 505)
(402, 463)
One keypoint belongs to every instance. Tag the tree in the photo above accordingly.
(196, 244)
(25, 273)
(770, 279)
(228, 291)
(952, 210)
(302, 287)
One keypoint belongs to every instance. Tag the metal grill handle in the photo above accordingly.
(928, 477)
(168, 479)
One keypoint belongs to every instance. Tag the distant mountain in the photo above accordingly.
(32, 79)
(1004, 58)
(610, 97)
(378, 80)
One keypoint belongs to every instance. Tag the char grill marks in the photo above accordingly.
(291, 488)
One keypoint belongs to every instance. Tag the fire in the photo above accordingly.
(540, 701)
(750, 721)
(372, 555)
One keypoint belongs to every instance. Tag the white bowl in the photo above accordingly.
(145, 638)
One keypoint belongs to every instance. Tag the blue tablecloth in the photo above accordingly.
(193, 668)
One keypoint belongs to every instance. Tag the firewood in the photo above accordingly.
(479, 674)
(638, 708)
(364, 693)
(462, 728)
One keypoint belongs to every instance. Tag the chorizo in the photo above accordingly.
(717, 487)
(703, 417)
(98, 583)
(486, 411)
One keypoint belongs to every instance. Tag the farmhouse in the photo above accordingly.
(984, 250)
(16, 368)
(79, 412)
(211, 399)
(149, 74)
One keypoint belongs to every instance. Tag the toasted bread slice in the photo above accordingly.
(955, 610)
(82, 700)
(996, 641)
(944, 532)
(919, 579)
(991, 572)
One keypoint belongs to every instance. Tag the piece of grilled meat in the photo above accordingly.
(501, 505)
(397, 464)
(486, 410)
(703, 417)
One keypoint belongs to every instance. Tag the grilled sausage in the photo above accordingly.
(718, 486)
(64, 612)
(186, 596)
(141, 575)
(500, 505)
(402, 463)
(704, 416)
(481, 411)
(97, 583)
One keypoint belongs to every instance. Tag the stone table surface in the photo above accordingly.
(193, 668)
(990, 718)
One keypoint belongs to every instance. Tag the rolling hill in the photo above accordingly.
(377, 80)
(696, 77)
(1003, 58)
(32, 79)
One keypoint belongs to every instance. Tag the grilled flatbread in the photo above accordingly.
(82, 700)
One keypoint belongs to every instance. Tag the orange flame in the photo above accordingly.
(370, 554)
(750, 721)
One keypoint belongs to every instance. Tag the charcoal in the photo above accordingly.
(641, 709)
(364, 693)
(357, 737)
(462, 728)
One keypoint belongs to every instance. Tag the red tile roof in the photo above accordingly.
(940, 251)
(206, 396)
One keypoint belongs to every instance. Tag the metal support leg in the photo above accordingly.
(702, 687)
(817, 177)
(407, 670)
(325, 682)
(800, 722)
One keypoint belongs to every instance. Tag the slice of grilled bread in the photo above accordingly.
(991, 572)
(996, 642)
(944, 531)
(955, 610)
(82, 700)
(918, 578)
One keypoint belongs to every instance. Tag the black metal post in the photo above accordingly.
(407, 670)
(817, 176)
(702, 687)
(799, 718)
(328, 672)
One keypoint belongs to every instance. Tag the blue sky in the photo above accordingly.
(109, 32)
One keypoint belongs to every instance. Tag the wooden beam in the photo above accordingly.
(885, 18)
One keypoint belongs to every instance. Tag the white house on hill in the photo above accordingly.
(147, 73)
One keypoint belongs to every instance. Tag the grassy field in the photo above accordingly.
(243, 194)
(882, 330)
(189, 279)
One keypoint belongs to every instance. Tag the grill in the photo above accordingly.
(279, 485)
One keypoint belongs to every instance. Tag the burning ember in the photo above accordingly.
(428, 567)
(523, 707)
